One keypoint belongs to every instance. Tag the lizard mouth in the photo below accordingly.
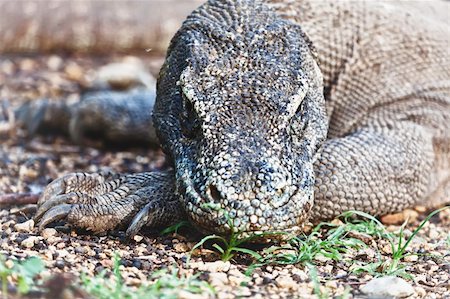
(249, 217)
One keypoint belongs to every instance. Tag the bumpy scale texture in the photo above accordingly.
(278, 111)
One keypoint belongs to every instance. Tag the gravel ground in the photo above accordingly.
(28, 164)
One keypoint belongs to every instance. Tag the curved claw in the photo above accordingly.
(50, 203)
(56, 187)
(139, 220)
(55, 213)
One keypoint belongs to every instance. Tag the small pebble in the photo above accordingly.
(137, 263)
(25, 227)
(80, 250)
(411, 258)
(48, 232)
(286, 282)
(218, 279)
(60, 264)
(27, 65)
(388, 286)
(138, 238)
(61, 245)
(29, 242)
(53, 240)
(54, 62)
(236, 277)
(267, 280)
(124, 75)
(217, 266)
(420, 292)
(41, 246)
(181, 247)
(74, 72)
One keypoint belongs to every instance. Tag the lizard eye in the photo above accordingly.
(299, 110)
(190, 122)
(299, 120)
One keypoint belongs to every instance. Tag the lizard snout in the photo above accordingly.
(270, 186)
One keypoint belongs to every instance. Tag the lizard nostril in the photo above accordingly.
(215, 194)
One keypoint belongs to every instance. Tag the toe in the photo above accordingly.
(55, 188)
(104, 216)
(54, 214)
(72, 182)
(139, 220)
(68, 198)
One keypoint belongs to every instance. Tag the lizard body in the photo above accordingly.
(277, 112)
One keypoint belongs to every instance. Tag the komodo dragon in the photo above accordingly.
(277, 112)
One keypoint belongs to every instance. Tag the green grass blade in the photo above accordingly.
(218, 248)
(202, 241)
(416, 231)
(174, 228)
(250, 252)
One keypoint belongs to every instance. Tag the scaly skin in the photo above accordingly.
(101, 118)
(267, 131)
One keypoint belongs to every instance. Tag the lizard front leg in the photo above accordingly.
(100, 202)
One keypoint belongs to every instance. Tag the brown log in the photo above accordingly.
(18, 198)
(93, 26)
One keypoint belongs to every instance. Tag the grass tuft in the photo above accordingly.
(228, 246)
(326, 241)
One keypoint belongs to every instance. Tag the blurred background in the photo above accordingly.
(90, 26)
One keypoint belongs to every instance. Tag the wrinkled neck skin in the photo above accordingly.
(240, 110)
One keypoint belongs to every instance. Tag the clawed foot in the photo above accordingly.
(101, 202)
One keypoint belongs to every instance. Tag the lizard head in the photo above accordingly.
(240, 110)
